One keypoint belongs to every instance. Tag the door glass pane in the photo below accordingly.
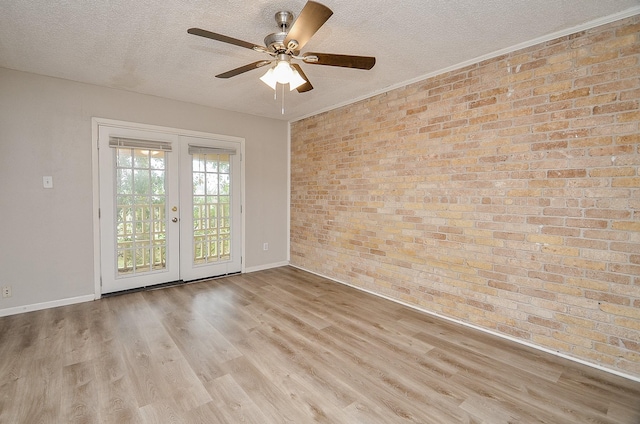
(141, 241)
(211, 208)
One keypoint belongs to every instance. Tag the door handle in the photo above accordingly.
(175, 220)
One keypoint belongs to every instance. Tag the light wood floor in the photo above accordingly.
(283, 346)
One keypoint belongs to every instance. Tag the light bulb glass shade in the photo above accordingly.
(283, 72)
(296, 80)
(269, 78)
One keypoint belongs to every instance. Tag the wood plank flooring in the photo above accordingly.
(284, 346)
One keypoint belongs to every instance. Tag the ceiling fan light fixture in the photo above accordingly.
(283, 72)
(269, 78)
(296, 80)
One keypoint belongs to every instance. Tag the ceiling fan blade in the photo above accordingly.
(219, 37)
(344, 61)
(243, 69)
(311, 18)
(307, 85)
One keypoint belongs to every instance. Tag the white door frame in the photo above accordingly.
(95, 124)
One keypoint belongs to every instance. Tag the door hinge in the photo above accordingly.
(99, 214)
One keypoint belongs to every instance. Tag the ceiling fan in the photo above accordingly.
(285, 45)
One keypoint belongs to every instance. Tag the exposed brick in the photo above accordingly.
(551, 126)
(588, 334)
(607, 297)
(629, 117)
(585, 264)
(594, 59)
(616, 86)
(550, 145)
(630, 94)
(586, 223)
(575, 321)
(567, 173)
(611, 277)
(614, 65)
(625, 182)
(561, 250)
(596, 78)
(628, 139)
(562, 231)
(615, 107)
(612, 150)
(626, 247)
(627, 323)
(483, 102)
(589, 284)
(631, 28)
(557, 87)
(607, 213)
(619, 310)
(613, 172)
(551, 343)
(532, 65)
(626, 225)
(545, 322)
(544, 239)
(570, 134)
(505, 194)
(582, 92)
(574, 340)
(625, 269)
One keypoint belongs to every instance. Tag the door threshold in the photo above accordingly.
(165, 285)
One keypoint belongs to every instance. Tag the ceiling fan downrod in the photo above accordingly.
(284, 19)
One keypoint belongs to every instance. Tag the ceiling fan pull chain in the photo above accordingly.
(282, 85)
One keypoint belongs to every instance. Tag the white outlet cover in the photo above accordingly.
(47, 182)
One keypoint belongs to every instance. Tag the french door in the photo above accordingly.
(170, 207)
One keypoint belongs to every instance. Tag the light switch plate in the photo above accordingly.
(47, 182)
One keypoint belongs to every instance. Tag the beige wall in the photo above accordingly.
(505, 195)
(46, 241)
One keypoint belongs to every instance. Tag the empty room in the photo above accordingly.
(334, 212)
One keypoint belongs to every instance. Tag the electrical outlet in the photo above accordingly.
(6, 291)
(47, 182)
(265, 246)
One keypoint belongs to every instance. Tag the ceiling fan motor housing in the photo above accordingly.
(275, 42)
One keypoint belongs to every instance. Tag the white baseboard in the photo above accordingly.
(475, 327)
(45, 305)
(88, 298)
(267, 266)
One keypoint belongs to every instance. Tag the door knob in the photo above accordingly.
(175, 208)
(175, 220)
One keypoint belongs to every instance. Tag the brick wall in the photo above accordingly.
(505, 194)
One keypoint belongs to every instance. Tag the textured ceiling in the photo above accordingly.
(143, 45)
